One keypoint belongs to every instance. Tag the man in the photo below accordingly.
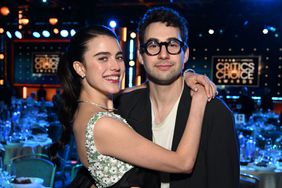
(151, 111)
(160, 110)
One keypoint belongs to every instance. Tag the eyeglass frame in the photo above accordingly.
(143, 47)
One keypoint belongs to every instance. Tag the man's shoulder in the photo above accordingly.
(131, 98)
(219, 106)
(134, 94)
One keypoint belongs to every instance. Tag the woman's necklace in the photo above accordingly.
(99, 106)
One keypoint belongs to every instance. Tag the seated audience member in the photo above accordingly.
(41, 93)
(246, 103)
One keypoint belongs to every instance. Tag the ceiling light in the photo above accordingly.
(18, 35)
(8, 33)
(64, 33)
(53, 21)
(112, 23)
(5, 11)
(36, 34)
(72, 32)
(46, 33)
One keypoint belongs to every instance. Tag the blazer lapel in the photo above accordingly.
(182, 116)
(148, 116)
(139, 116)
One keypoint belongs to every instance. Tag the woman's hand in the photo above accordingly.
(194, 80)
(200, 95)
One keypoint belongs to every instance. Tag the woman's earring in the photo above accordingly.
(82, 77)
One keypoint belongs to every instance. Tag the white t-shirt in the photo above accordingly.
(164, 131)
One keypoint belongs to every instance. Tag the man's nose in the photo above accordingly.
(163, 53)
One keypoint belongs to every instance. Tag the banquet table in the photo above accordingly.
(269, 177)
(25, 148)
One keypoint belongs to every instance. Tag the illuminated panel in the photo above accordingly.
(236, 70)
(36, 61)
(44, 63)
(130, 77)
(138, 80)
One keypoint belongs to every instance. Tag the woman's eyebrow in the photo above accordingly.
(102, 53)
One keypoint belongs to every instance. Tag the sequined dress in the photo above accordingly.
(110, 172)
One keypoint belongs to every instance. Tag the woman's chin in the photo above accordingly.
(114, 91)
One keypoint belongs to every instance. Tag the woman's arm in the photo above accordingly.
(115, 139)
(193, 80)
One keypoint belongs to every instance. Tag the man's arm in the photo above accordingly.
(222, 150)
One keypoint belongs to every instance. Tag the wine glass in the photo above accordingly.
(11, 172)
(5, 178)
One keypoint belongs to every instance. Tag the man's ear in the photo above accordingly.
(186, 55)
(79, 68)
(139, 56)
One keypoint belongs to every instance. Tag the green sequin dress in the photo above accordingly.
(105, 170)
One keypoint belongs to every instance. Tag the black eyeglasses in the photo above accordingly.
(153, 47)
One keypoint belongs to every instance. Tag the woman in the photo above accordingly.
(106, 144)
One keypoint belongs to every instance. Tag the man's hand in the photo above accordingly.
(192, 79)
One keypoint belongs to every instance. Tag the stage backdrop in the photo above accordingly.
(36, 61)
(236, 70)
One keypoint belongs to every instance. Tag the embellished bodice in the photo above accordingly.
(104, 169)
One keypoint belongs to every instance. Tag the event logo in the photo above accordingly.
(45, 63)
(233, 70)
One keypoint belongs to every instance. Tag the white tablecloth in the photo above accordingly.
(269, 177)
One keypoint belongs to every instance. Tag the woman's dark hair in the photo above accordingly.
(165, 15)
(71, 81)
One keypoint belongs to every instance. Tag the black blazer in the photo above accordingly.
(217, 164)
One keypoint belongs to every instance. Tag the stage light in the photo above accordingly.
(211, 31)
(55, 30)
(18, 35)
(271, 28)
(133, 35)
(5, 11)
(246, 23)
(46, 33)
(2, 56)
(265, 31)
(131, 49)
(276, 35)
(72, 32)
(36, 34)
(20, 16)
(256, 97)
(130, 77)
(276, 98)
(112, 24)
(1, 30)
(221, 31)
(44, 1)
(232, 97)
(64, 33)
(9, 35)
(131, 63)
(24, 92)
(123, 34)
(24, 21)
(53, 21)
(138, 80)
